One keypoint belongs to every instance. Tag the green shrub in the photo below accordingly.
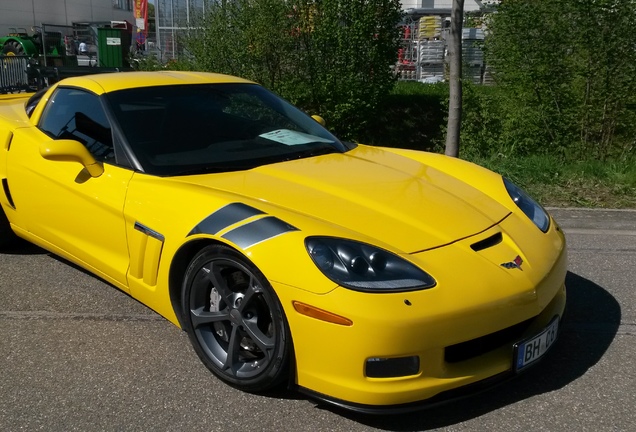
(567, 69)
(412, 116)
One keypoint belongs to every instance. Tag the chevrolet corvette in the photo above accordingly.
(376, 279)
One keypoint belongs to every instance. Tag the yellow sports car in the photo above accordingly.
(372, 278)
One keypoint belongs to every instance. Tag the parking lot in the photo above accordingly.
(78, 354)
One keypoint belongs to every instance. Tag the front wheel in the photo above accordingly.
(235, 321)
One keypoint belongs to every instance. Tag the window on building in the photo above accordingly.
(123, 4)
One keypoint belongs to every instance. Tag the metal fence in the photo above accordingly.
(423, 53)
(13, 73)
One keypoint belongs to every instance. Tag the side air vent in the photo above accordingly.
(5, 187)
(487, 242)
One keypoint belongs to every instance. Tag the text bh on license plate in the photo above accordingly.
(532, 349)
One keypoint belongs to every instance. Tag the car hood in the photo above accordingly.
(376, 193)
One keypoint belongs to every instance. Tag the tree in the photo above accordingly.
(332, 57)
(455, 79)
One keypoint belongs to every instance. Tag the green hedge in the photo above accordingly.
(494, 124)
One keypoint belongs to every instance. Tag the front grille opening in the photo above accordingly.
(487, 242)
(476, 347)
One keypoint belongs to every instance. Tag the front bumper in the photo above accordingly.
(459, 316)
(446, 396)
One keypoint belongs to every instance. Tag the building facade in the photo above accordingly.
(27, 14)
(172, 16)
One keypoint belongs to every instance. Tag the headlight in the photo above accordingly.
(363, 267)
(530, 207)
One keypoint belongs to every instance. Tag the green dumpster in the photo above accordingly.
(113, 46)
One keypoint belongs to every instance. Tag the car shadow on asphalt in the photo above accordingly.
(22, 247)
(591, 322)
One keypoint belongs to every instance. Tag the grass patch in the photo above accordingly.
(558, 183)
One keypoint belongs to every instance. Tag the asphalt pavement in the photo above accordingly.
(77, 354)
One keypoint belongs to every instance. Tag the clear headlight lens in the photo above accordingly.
(363, 267)
(530, 207)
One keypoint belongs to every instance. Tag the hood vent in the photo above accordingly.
(487, 242)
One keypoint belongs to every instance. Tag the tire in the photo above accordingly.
(235, 321)
(12, 48)
(7, 236)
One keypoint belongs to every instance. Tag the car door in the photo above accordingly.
(66, 209)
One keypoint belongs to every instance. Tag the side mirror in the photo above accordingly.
(66, 150)
(320, 120)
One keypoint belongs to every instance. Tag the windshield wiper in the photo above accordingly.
(323, 150)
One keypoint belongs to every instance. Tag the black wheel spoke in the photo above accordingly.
(233, 348)
(201, 317)
(264, 342)
(218, 281)
(250, 294)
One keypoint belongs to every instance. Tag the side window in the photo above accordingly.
(79, 115)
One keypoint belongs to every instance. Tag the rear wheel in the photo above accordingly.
(235, 321)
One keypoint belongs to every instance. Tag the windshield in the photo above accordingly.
(195, 129)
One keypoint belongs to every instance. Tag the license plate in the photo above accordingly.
(532, 349)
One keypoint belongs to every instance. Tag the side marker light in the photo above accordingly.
(320, 314)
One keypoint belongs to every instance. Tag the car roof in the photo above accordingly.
(109, 82)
